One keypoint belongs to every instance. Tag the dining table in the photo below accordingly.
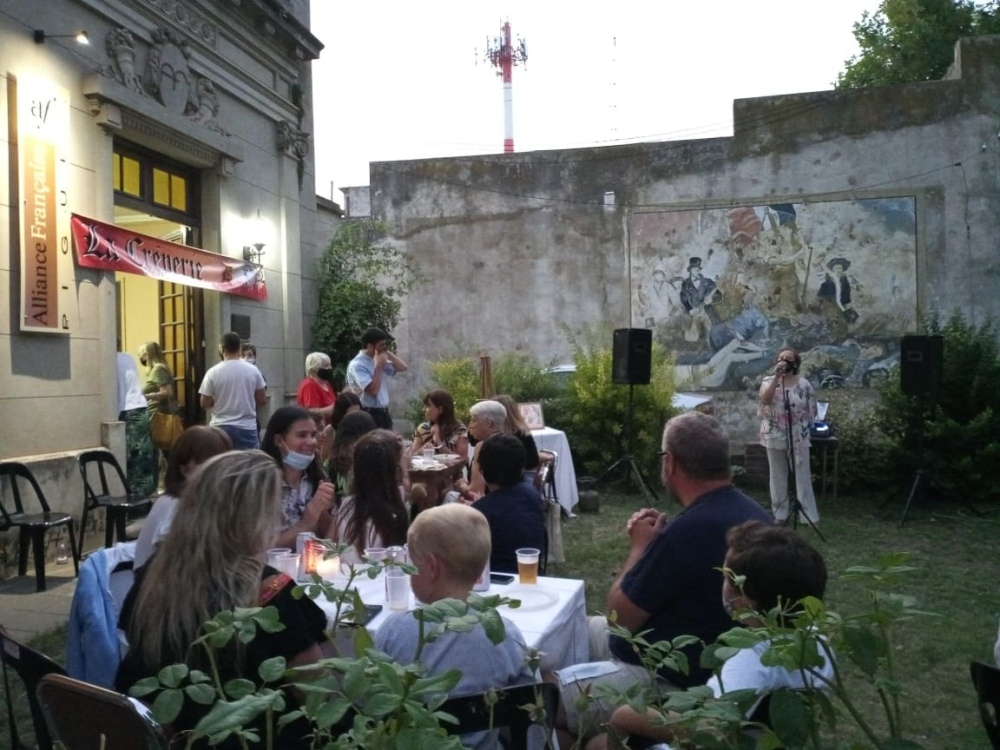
(438, 475)
(552, 616)
(551, 439)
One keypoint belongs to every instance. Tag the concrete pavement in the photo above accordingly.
(25, 613)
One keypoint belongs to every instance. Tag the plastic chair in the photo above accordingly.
(81, 716)
(31, 667)
(33, 526)
(508, 713)
(117, 508)
(986, 681)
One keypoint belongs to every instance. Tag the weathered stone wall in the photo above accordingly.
(518, 246)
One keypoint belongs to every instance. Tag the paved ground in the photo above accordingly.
(25, 613)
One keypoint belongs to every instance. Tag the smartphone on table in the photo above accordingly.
(501, 579)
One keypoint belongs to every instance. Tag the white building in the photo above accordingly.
(187, 121)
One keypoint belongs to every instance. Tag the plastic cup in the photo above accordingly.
(527, 564)
(272, 555)
(288, 563)
(397, 588)
(428, 453)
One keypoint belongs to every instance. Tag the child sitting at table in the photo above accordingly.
(447, 569)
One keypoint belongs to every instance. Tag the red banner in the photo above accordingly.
(110, 248)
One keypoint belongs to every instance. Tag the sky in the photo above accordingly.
(399, 79)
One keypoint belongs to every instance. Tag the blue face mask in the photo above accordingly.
(298, 461)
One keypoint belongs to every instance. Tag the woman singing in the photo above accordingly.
(786, 386)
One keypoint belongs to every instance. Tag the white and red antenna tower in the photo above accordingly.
(503, 55)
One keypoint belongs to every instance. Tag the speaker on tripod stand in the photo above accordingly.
(631, 365)
(921, 361)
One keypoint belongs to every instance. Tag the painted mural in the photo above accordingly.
(724, 289)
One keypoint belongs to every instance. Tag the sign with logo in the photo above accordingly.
(110, 248)
(42, 128)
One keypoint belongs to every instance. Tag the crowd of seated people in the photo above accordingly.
(205, 552)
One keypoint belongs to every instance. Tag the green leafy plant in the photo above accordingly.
(362, 281)
(596, 410)
(516, 374)
(953, 435)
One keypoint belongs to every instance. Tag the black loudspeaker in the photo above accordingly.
(921, 361)
(631, 356)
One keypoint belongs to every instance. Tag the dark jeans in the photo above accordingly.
(243, 439)
(381, 416)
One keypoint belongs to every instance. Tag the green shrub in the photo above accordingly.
(362, 281)
(960, 425)
(518, 375)
(596, 410)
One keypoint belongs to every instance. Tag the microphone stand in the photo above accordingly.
(794, 506)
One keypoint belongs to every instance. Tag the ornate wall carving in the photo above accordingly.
(188, 19)
(168, 76)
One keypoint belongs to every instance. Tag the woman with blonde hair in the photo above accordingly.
(516, 426)
(158, 387)
(211, 563)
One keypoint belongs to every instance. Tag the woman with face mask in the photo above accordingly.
(316, 392)
(291, 440)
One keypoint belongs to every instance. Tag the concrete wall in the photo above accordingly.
(900, 181)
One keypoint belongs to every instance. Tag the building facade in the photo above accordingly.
(160, 189)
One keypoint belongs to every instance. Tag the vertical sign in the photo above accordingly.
(43, 128)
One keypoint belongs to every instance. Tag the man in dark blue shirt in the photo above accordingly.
(670, 581)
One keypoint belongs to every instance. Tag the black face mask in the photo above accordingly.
(325, 373)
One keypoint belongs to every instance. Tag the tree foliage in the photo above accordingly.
(362, 281)
(913, 40)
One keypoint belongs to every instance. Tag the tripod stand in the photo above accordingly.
(794, 505)
(627, 457)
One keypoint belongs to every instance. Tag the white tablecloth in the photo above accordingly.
(559, 631)
(551, 439)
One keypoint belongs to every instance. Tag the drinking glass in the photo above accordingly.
(527, 564)
(272, 555)
(397, 586)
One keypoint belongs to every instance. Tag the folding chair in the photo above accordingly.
(509, 714)
(117, 508)
(33, 526)
(31, 667)
(986, 681)
(81, 716)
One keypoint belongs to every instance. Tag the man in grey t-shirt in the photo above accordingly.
(232, 390)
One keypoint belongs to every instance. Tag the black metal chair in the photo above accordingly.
(118, 509)
(512, 712)
(31, 667)
(986, 681)
(82, 716)
(33, 526)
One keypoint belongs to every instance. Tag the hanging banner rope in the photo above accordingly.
(110, 248)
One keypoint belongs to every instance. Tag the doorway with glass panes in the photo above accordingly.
(158, 197)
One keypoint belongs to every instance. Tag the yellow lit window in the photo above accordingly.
(116, 171)
(178, 193)
(131, 181)
(161, 187)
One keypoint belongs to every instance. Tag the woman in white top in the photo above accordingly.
(373, 515)
(193, 448)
